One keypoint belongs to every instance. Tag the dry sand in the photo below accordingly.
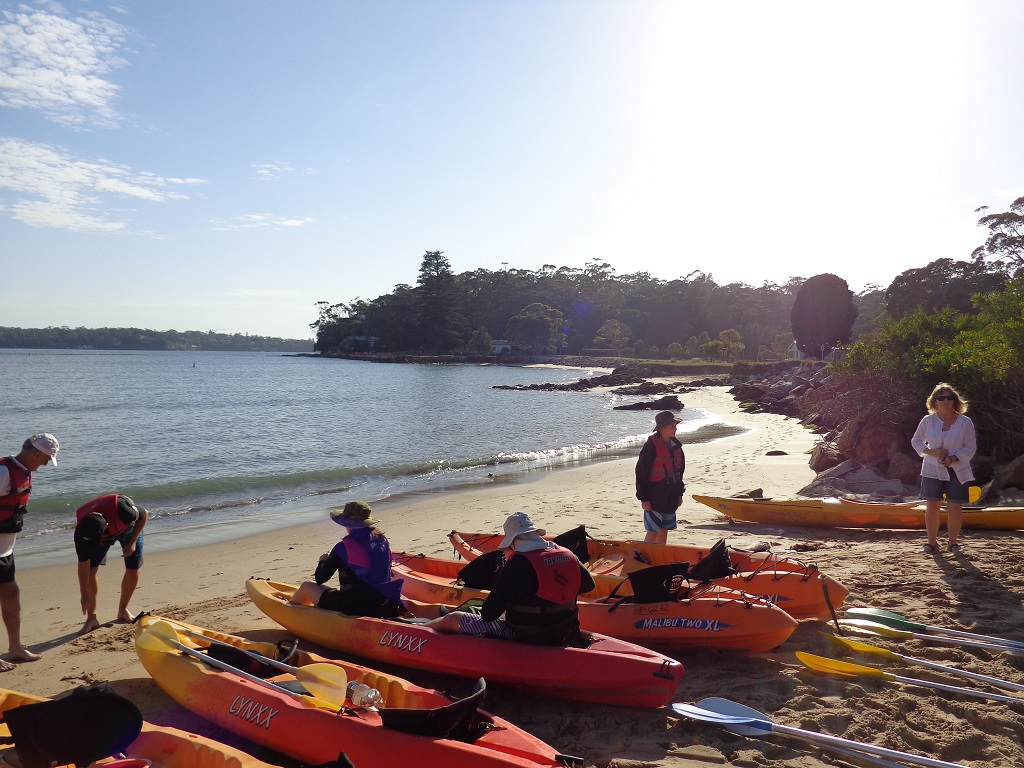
(980, 590)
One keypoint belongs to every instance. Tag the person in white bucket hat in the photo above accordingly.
(535, 591)
(15, 489)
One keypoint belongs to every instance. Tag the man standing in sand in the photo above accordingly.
(102, 521)
(659, 478)
(15, 489)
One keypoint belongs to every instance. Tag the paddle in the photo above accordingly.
(849, 669)
(881, 629)
(895, 620)
(161, 636)
(322, 679)
(749, 722)
(886, 653)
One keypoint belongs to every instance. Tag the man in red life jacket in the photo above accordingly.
(102, 521)
(659, 478)
(536, 591)
(15, 489)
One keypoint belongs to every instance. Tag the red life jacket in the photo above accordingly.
(12, 506)
(558, 574)
(106, 507)
(668, 463)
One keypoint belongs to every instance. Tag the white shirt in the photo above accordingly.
(7, 539)
(960, 440)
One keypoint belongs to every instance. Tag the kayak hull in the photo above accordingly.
(608, 671)
(800, 590)
(845, 513)
(315, 731)
(713, 617)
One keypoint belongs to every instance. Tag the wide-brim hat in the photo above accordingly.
(517, 524)
(354, 514)
(665, 418)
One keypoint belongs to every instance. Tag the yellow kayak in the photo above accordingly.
(162, 747)
(846, 513)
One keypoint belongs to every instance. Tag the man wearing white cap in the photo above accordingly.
(15, 489)
(536, 592)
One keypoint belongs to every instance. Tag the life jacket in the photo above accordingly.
(106, 507)
(558, 574)
(668, 461)
(12, 506)
(367, 557)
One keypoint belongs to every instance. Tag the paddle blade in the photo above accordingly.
(158, 636)
(855, 645)
(888, 618)
(844, 668)
(328, 682)
(875, 628)
(741, 725)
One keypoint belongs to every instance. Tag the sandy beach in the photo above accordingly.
(979, 589)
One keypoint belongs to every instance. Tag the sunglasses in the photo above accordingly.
(945, 397)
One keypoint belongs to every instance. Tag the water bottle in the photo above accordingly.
(362, 696)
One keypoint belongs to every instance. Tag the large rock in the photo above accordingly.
(904, 467)
(825, 456)
(853, 479)
(867, 438)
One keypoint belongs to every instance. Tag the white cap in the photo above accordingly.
(517, 524)
(46, 443)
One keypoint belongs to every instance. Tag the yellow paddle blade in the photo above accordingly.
(158, 636)
(875, 628)
(844, 668)
(855, 645)
(328, 682)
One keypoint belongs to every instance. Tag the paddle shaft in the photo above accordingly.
(955, 689)
(895, 620)
(234, 670)
(886, 631)
(770, 726)
(252, 654)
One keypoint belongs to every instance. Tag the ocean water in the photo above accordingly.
(218, 445)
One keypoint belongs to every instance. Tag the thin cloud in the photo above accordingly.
(271, 171)
(59, 65)
(52, 189)
(260, 221)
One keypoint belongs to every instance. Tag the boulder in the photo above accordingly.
(667, 403)
(904, 467)
(825, 456)
(867, 438)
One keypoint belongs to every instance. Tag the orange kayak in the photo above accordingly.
(163, 747)
(606, 671)
(414, 725)
(847, 513)
(803, 592)
(709, 617)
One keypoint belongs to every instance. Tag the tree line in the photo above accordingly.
(144, 339)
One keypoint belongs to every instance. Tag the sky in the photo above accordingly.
(226, 165)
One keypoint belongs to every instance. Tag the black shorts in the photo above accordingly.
(359, 602)
(96, 551)
(7, 569)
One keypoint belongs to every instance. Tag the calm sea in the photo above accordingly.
(222, 444)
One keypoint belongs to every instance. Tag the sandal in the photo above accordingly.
(955, 547)
(929, 549)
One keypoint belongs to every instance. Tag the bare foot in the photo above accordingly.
(5, 666)
(23, 654)
(90, 624)
(124, 617)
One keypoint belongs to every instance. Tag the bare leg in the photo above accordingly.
(129, 582)
(10, 607)
(931, 521)
(92, 590)
(954, 521)
(308, 593)
(448, 623)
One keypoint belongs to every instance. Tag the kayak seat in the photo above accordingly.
(716, 564)
(88, 725)
(654, 584)
(453, 721)
(483, 572)
(575, 540)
